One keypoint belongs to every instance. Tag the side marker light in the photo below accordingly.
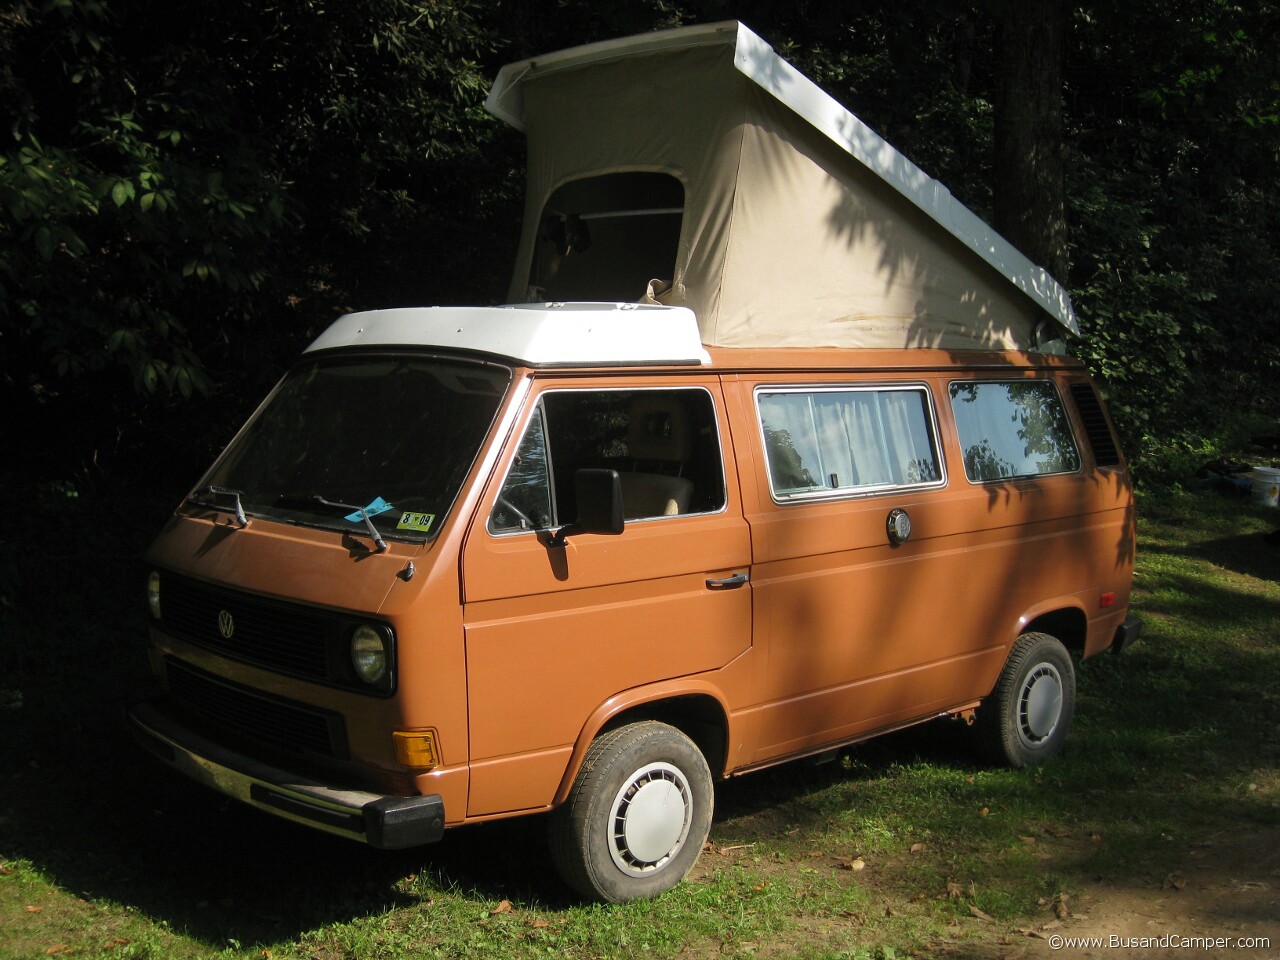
(416, 748)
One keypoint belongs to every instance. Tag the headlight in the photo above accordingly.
(153, 593)
(369, 654)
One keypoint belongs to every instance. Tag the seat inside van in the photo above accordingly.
(659, 443)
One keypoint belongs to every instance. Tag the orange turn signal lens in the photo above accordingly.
(416, 748)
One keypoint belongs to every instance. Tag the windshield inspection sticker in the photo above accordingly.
(420, 522)
(372, 510)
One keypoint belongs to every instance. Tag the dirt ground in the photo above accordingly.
(1222, 899)
(1228, 892)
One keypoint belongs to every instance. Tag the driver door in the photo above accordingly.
(554, 631)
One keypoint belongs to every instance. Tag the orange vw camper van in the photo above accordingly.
(775, 448)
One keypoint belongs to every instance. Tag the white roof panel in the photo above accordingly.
(552, 334)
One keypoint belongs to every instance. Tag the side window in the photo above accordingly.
(663, 443)
(847, 440)
(525, 500)
(1013, 429)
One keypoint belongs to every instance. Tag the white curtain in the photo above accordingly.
(847, 439)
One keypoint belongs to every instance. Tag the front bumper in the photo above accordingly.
(386, 822)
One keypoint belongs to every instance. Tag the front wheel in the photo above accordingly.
(637, 815)
(1026, 718)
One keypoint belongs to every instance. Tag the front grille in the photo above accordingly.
(290, 638)
(272, 720)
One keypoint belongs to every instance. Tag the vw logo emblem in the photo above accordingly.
(226, 625)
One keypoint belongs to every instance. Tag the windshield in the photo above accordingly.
(345, 442)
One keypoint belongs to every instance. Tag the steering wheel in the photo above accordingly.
(526, 522)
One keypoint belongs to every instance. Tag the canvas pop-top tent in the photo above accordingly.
(695, 167)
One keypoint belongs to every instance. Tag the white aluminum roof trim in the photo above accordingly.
(758, 61)
(568, 334)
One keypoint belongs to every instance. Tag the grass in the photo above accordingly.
(903, 845)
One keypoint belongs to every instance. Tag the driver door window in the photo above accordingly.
(663, 443)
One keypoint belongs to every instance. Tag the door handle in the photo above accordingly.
(729, 583)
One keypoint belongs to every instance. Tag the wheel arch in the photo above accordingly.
(1065, 621)
(697, 710)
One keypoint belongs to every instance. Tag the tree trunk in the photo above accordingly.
(1029, 194)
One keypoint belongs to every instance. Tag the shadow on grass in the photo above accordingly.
(1253, 554)
(108, 824)
(98, 818)
(783, 794)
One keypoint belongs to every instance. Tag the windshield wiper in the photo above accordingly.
(361, 511)
(241, 520)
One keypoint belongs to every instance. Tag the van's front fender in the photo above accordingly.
(694, 705)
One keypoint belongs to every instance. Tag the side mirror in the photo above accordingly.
(599, 505)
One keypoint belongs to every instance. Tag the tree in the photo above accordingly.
(1030, 189)
(1174, 134)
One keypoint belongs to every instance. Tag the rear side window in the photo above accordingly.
(847, 440)
(1012, 429)
(663, 443)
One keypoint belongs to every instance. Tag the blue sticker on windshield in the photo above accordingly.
(372, 510)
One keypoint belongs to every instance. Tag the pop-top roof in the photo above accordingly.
(800, 225)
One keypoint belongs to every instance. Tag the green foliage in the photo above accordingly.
(1175, 214)
(126, 199)
(189, 192)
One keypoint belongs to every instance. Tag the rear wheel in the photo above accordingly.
(637, 815)
(1027, 716)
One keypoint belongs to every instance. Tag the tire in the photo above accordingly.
(1026, 718)
(637, 815)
